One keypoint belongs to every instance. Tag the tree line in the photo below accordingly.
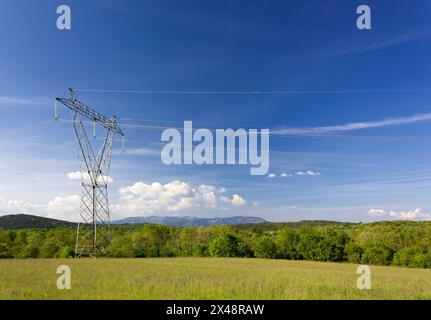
(384, 243)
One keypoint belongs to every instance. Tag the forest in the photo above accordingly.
(399, 243)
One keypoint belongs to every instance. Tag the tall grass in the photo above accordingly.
(206, 278)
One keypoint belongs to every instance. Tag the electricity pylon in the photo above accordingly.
(93, 237)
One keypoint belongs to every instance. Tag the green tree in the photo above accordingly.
(122, 246)
(354, 252)
(378, 255)
(224, 245)
(48, 249)
(264, 247)
(65, 252)
(309, 244)
(29, 251)
(287, 240)
(187, 241)
(333, 243)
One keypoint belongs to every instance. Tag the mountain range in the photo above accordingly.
(189, 221)
(25, 221)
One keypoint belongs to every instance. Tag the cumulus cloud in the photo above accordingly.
(238, 201)
(307, 173)
(13, 206)
(141, 198)
(60, 207)
(64, 207)
(285, 175)
(77, 175)
(415, 214)
(376, 212)
(272, 175)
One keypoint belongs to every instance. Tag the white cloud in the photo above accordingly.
(376, 212)
(77, 175)
(307, 173)
(61, 207)
(415, 214)
(238, 201)
(139, 198)
(354, 125)
(13, 206)
(142, 198)
(64, 207)
(298, 173)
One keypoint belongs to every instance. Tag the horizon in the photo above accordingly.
(348, 110)
(227, 217)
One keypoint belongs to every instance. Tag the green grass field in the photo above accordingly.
(206, 278)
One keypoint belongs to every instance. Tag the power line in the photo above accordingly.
(281, 135)
(286, 135)
(292, 153)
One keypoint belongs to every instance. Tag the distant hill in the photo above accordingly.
(267, 226)
(25, 221)
(190, 221)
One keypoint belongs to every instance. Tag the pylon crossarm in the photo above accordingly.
(75, 105)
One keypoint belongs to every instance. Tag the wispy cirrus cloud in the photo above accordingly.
(7, 100)
(142, 152)
(298, 173)
(375, 43)
(354, 125)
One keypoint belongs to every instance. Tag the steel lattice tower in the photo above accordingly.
(93, 235)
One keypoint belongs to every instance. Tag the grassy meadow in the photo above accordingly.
(206, 278)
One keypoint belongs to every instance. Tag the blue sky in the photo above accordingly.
(313, 67)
